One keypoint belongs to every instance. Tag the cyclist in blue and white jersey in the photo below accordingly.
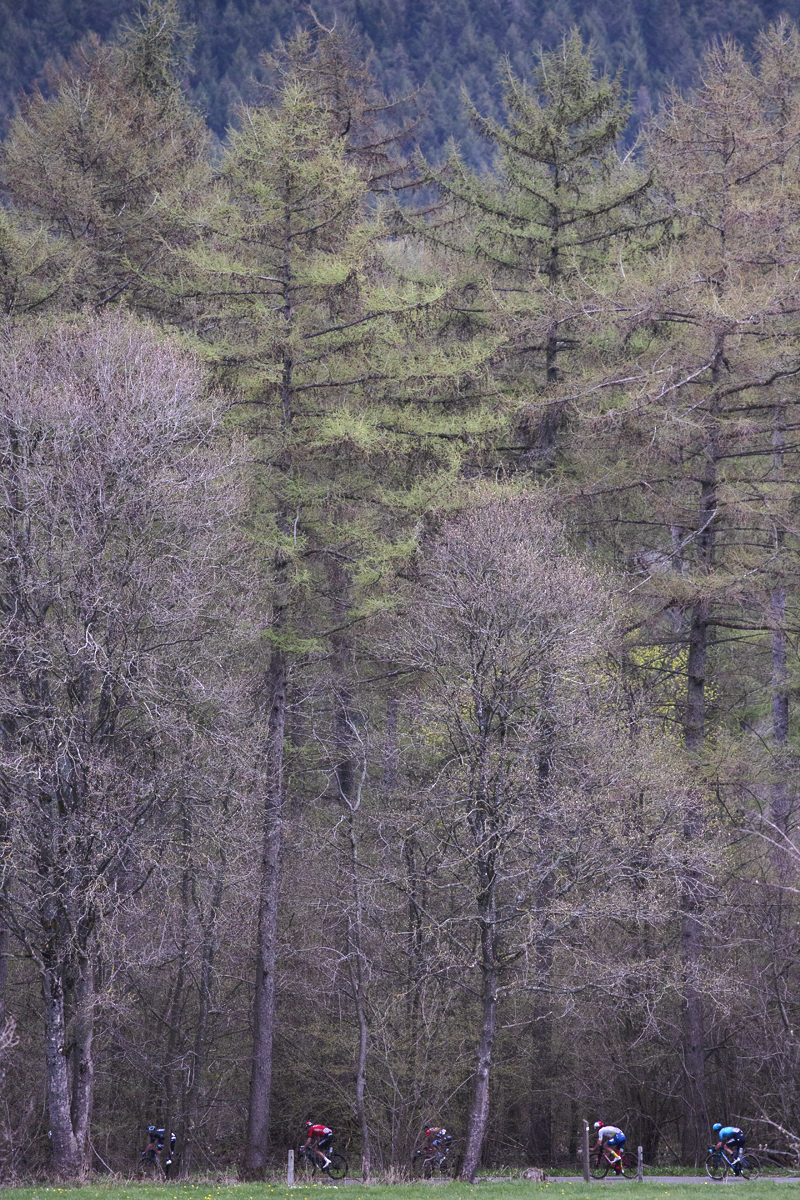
(613, 1139)
(732, 1138)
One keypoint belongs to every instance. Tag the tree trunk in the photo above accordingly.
(540, 1138)
(67, 1157)
(174, 1117)
(695, 1113)
(83, 1056)
(255, 1159)
(695, 1116)
(779, 799)
(479, 1113)
(203, 1013)
(416, 889)
(255, 1156)
(3, 969)
(357, 986)
(350, 795)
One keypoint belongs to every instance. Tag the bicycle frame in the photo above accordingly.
(609, 1158)
(437, 1156)
(720, 1162)
(723, 1154)
(613, 1159)
(434, 1157)
(310, 1153)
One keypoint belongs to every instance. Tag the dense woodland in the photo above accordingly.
(399, 612)
(434, 48)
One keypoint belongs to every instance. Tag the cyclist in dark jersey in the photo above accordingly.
(156, 1146)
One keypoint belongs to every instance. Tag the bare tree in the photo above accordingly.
(115, 536)
(505, 623)
(530, 751)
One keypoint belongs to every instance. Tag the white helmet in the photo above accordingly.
(598, 1124)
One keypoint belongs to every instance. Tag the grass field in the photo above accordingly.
(769, 1189)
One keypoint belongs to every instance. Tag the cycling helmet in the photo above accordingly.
(309, 1124)
(717, 1127)
(599, 1124)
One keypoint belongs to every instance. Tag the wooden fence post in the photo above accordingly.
(290, 1170)
(639, 1164)
(586, 1150)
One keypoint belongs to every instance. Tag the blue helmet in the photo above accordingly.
(717, 1127)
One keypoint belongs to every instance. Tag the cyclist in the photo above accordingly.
(613, 1139)
(732, 1138)
(436, 1137)
(319, 1139)
(156, 1146)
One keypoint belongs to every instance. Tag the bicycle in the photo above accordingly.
(718, 1164)
(336, 1168)
(429, 1162)
(600, 1165)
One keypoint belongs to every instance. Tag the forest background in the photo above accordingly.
(399, 603)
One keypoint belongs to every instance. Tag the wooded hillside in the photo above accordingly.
(399, 615)
(439, 46)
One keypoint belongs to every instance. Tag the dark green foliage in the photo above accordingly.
(442, 45)
(543, 225)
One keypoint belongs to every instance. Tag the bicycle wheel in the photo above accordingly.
(435, 1164)
(598, 1166)
(716, 1167)
(305, 1162)
(442, 1165)
(337, 1167)
(750, 1166)
(630, 1164)
(418, 1161)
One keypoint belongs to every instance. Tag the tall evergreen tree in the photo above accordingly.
(110, 158)
(362, 396)
(542, 227)
(688, 455)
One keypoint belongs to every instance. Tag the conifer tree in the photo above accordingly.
(361, 394)
(542, 227)
(688, 451)
(535, 239)
(35, 269)
(108, 161)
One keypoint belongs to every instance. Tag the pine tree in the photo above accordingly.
(688, 453)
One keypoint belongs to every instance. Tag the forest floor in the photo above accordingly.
(673, 1188)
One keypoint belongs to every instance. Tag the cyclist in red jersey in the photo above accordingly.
(318, 1141)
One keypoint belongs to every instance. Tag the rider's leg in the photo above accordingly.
(320, 1154)
(616, 1149)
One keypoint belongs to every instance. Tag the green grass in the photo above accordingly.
(510, 1190)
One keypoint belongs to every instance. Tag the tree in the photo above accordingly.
(115, 535)
(526, 734)
(542, 228)
(361, 394)
(108, 162)
(694, 435)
